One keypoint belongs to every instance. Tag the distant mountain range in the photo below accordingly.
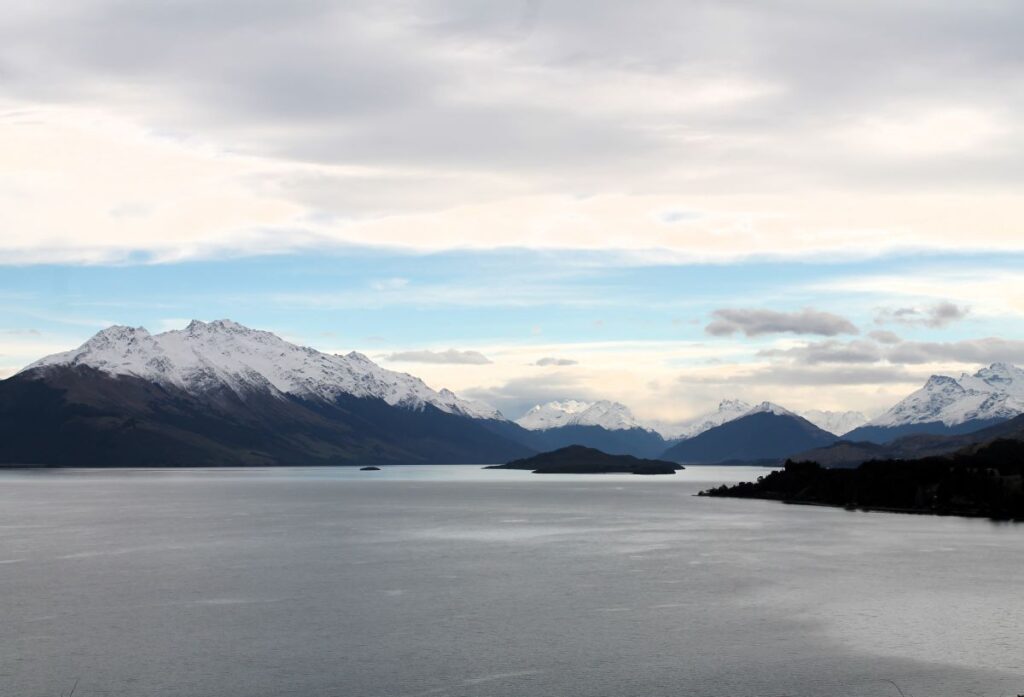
(615, 416)
(607, 426)
(608, 415)
(837, 422)
(945, 406)
(219, 393)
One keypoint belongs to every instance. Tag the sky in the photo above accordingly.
(660, 203)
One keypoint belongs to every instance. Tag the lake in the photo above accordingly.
(452, 580)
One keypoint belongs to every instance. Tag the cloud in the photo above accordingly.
(883, 336)
(867, 375)
(934, 317)
(985, 351)
(550, 361)
(977, 351)
(754, 322)
(517, 395)
(390, 284)
(449, 356)
(829, 352)
(735, 124)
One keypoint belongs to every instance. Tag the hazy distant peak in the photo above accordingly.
(571, 412)
(728, 409)
(837, 422)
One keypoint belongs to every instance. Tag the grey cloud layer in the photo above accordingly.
(579, 95)
(754, 322)
(985, 350)
(449, 356)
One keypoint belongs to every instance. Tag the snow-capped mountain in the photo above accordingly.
(766, 432)
(770, 408)
(607, 426)
(728, 409)
(220, 394)
(224, 354)
(837, 422)
(608, 415)
(996, 392)
(949, 406)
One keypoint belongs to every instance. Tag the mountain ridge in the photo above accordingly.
(205, 356)
(220, 394)
(948, 405)
(767, 432)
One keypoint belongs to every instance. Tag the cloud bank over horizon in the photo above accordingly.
(660, 203)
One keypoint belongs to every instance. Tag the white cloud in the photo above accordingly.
(451, 356)
(931, 133)
(547, 361)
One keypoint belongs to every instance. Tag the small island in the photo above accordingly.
(577, 459)
(981, 481)
(371, 468)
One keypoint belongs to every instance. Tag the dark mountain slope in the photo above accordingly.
(850, 454)
(79, 416)
(887, 434)
(755, 437)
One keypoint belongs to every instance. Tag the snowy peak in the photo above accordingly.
(996, 392)
(610, 415)
(837, 422)
(770, 408)
(206, 356)
(732, 405)
(728, 409)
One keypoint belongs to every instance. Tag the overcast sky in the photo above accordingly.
(664, 203)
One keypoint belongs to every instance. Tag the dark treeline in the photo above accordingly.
(982, 481)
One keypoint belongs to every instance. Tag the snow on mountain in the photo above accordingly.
(837, 422)
(771, 408)
(728, 409)
(205, 356)
(610, 415)
(996, 392)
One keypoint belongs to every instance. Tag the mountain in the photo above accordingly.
(949, 406)
(220, 393)
(766, 432)
(845, 453)
(607, 426)
(226, 355)
(576, 459)
(608, 415)
(837, 422)
(728, 409)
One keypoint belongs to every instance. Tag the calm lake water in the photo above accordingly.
(464, 582)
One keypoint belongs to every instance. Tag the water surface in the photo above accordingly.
(460, 581)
